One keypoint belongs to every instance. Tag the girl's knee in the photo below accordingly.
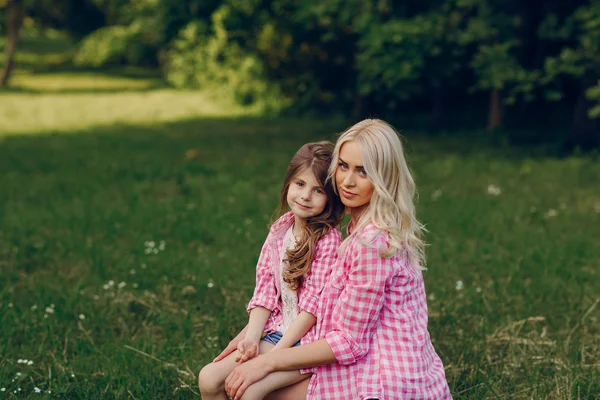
(210, 381)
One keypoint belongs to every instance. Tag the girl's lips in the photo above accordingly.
(301, 206)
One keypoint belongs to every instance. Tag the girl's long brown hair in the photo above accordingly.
(316, 156)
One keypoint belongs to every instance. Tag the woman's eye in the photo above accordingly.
(342, 166)
(362, 172)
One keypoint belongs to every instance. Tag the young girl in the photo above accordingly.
(293, 267)
(373, 340)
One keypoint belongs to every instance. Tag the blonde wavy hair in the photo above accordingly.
(391, 208)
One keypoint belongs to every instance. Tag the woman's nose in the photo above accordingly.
(348, 180)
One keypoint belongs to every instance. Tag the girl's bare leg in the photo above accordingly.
(293, 392)
(211, 379)
(273, 381)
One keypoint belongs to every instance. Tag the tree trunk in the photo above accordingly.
(495, 113)
(15, 16)
(584, 132)
(438, 109)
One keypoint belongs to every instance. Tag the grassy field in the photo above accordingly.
(131, 217)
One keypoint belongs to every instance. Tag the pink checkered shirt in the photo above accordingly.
(268, 290)
(374, 317)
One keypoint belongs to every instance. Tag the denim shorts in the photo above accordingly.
(275, 337)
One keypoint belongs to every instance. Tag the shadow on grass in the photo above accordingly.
(236, 134)
(91, 90)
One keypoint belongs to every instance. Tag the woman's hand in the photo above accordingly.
(247, 349)
(245, 375)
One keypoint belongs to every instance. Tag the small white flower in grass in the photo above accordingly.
(29, 362)
(147, 250)
(72, 375)
(122, 285)
(143, 266)
(17, 374)
(210, 284)
(111, 283)
(52, 305)
(436, 194)
(132, 272)
(551, 213)
(34, 307)
(10, 305)
(162, 244)
(431, 297)
(105, 287)
(460, 285)
(37, 390)
(81, 317)
(478, 289)
(49, 310)
(135, 285)
(494, 190)
(3, 390)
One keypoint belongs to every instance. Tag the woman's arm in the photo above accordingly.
(290, 359)
(302, 324)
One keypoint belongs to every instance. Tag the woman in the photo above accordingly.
(372, 324)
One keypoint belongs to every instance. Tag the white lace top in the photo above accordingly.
(289, 297)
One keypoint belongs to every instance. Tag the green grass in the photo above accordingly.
(85, 187)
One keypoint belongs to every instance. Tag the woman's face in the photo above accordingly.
(353, 184)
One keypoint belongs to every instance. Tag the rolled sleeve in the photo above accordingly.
(326, 256)
(345, 349)
(357, 310)
(265, 293)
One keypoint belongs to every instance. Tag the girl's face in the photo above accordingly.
(353, 185)
(305, 196)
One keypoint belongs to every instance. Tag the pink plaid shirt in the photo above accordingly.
(268, 290)
(374, 317)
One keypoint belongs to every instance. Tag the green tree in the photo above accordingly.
(579, 57)
(62, 14)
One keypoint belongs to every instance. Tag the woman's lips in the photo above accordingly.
(347, 194)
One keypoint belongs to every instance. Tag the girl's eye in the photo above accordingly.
(319, 191)
(299, 184)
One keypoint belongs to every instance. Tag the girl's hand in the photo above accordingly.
(231, 347)
(247, 349)
(245, 375)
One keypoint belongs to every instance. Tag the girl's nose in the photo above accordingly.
(306, 195)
